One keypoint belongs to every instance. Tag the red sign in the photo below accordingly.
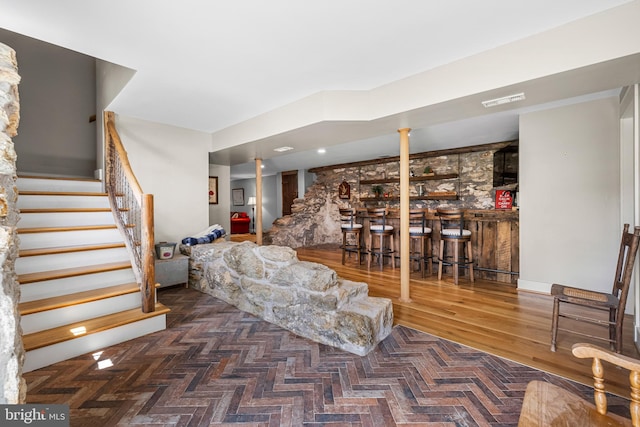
(504, 200)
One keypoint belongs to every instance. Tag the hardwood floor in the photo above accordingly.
(488, 316)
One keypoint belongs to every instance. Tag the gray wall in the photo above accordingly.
(570, 223)
(270, 201)
(57, 97)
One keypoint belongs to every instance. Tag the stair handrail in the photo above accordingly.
(132, 209)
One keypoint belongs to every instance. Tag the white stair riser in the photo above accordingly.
(64, 219)
(56, 202)
(77, 313)
(39, 263)
(36, 359)
(43, 184)
(53, 288)
(69, 238)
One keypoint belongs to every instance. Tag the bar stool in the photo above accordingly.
(350, 230)
(383, 233)
(420, 240)
(452, 231)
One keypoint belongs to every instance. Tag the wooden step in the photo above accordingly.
(64, 210)
(69, 249)
(61, 193)
(68, 300)
(64, 333)
(55, 229)
(70, 272)
(59, 178)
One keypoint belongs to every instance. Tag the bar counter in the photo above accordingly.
(494, 239)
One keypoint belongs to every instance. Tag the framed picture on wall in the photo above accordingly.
(237, 195)
(213, 190)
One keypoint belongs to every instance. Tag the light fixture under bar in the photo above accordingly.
(504, 100)
(282, 149)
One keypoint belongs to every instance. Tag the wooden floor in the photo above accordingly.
(488, 316)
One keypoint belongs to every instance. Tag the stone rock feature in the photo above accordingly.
(306, 298)
(11, 349)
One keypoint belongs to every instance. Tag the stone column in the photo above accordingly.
(11, 349)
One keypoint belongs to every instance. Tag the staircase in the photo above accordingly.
(78, 289)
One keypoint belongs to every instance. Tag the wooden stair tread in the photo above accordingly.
(59, 178)
(70, 272)
(68, 228)
(63, 333)
(69, 249)
(60, 193)
(67, 300)
(64, 210)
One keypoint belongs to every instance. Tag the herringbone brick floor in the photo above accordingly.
(216, 365)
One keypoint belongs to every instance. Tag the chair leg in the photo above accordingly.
(440, 259)
(456, 262)
(357, 237)
(429, 258)
(423, 243)
(393, 253)
(615, 332)
(369, 251)
(554, 323)
(470, 259)
(344, 246)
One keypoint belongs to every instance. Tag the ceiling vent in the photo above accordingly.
(504, 100)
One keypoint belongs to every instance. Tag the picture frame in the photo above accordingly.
(237, 196)
(213, 190)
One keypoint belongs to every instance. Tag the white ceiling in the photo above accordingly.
(208, 65)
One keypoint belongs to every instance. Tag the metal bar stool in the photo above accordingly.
(420, 240)
(350, 234)
(452, 231)
(383, 232)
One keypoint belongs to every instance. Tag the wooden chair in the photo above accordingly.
(452, 231)
(383, 232)
(350, 233)
(598, 302)
(546, 404)
(420, 240)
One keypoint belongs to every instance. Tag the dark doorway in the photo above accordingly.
(289, 190)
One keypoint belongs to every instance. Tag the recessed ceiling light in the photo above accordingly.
(504, 100)
(322, 150)
(282, 149)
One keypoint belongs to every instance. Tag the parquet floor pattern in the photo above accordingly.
(216, 365)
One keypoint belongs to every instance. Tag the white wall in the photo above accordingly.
(172, 164)
(569, 183)
(110, 79)
(57, 98)
(219, 214)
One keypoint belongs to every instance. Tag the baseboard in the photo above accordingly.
(529, 285)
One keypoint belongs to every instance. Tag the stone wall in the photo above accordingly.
(315, 221)
(305, 298)
(11, 350)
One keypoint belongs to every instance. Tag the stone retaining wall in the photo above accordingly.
(305, 298)
(13, 388)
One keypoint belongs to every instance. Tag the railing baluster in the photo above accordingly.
(133, 211)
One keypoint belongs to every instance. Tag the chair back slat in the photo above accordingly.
(418, 219)
(451, 219)
(347, 217)
(378, 216)
(626, 261)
